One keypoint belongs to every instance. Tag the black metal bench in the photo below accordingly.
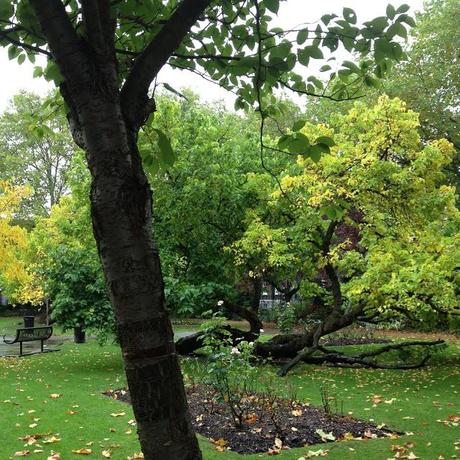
(30, 334)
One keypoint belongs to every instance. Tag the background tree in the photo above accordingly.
(427, 80)
(367, 231)
(68, 265)
(35, 150)
(104, 56)
(201, 201)
(16, 271)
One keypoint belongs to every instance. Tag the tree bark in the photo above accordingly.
(122, 221)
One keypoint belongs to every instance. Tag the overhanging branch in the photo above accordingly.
(156, 54)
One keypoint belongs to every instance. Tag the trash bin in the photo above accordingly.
(29, 321)
(79, 334)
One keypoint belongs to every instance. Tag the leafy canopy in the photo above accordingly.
(374, 213)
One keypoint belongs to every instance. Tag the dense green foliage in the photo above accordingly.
(369, 226)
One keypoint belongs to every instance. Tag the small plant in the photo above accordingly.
(326, 399)
(230, 371)
(287, 318)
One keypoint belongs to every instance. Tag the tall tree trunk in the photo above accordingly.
(122, 222)
(256, 294)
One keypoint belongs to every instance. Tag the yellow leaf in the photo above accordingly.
(21, 453)
(54, 456)
(118, 414)
(55, 395)
(82, 451)
(106, 453)
(51, 440)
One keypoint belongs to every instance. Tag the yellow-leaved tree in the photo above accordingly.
(17, 278)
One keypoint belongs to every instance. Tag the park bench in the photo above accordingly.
(30, 334)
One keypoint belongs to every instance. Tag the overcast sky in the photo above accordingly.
(14, 77)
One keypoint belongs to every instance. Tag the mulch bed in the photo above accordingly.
(295, 425)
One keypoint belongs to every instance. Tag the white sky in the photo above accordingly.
(14, 77)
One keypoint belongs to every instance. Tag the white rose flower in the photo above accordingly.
(235, 351)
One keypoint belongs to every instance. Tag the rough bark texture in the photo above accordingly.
(106, 126)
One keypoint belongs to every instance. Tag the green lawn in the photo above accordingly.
(81, 416)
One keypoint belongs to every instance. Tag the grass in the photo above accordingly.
(81, 416)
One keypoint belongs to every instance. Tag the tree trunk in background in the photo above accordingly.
(256, 294)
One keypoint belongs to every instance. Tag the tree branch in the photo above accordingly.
(66, 47)
(26, 46)
(156, 54)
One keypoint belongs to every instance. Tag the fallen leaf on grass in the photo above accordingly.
(55, 395)
(54, 456)
(135, 456)
(377, 399)
(51, 440)
(118, 414)
(82, 451)
(106, 453)
(21, 453)
(315, 453)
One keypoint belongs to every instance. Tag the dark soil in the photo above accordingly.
(294, 424)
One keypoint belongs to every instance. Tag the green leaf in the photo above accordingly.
(6, 9)
(303, 57)
(409, 20)
(349, 15)
(396, 29)
(325, 140)
(302, 36)
(372, 82)
(272, 5)
(382, 50)
(327, 18)
(167, 155)
(38, 71)
(298, 143)
(13, 51)
(315, 152)
(298, 125)
(404, 8)
(325, 68)
(314, 52)
(52, 73)
(21, 58)
(391, 12)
